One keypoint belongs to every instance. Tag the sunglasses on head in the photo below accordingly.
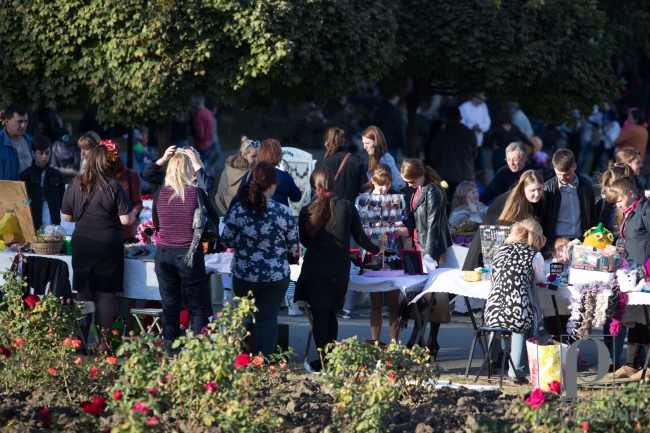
(254, 144)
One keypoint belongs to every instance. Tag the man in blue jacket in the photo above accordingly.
(15, 144)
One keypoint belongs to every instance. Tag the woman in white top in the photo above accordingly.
(375, 144)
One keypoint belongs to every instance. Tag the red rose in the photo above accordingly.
(585, 426)
(242, 360)
(210, 386)
(32, 300)
(111, 360)
(93, 372)
(94, 408)
(152, 391)
(140, 407)
(46, 418)
(392, 376)
(555, 387)
(535, 399)
(153, 421)
(117, 395)
(5, 352)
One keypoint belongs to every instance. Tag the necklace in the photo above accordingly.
(299, 176)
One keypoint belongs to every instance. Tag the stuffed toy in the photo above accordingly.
(598, 237)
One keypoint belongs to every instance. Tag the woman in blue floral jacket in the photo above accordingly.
(262, 232)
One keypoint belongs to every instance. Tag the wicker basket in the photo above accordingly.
(47, 248)
(51, 238)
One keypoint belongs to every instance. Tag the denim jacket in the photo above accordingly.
(9, 163)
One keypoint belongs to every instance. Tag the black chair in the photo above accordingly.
(504, 336)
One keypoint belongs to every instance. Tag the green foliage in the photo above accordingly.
(203, 382)
(630, 20)
(619, 410)
(552, 57)
(367, 379)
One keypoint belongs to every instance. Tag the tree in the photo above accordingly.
(551, 56)
(142, 59)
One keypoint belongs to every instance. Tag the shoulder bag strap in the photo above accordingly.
(85, 206)
(341, 166)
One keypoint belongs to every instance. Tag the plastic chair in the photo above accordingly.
(156, 313)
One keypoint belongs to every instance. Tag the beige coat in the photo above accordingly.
(236, 168)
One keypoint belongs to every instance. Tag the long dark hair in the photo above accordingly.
(321, 208)
(98, 171)
(261, 178)
(334, 138)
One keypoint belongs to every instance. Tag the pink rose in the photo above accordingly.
(555, 387)
(535, 399)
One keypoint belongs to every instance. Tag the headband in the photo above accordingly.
(325, 193)
(113, 150)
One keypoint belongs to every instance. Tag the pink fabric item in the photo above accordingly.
(175, 217)
(204, 125)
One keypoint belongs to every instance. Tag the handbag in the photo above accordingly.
(211, 220)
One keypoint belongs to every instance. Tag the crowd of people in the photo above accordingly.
(445, 202)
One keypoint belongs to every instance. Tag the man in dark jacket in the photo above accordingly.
(45, 185)
(569, 202)
(506, 177)
(453, 152)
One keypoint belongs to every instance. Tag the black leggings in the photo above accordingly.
(640, 334)
(326, 326)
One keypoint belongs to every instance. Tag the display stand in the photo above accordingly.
(14, 199)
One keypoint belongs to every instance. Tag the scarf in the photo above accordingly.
(626, 213)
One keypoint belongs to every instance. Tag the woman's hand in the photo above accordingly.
(193, 155)
(471, 206)
(167, 156)
(403, 231)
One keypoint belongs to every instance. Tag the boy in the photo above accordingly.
(44, 185)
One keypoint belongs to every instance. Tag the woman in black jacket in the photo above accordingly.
(635, 231)
(325, 226)
(426, 221)
(520, 203)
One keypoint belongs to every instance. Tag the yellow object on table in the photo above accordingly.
(472, 276)
(9, 224)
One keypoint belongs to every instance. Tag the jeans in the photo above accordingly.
(517, 353)
(349, 300)
(172, 273)
(268, 298)
(615, 350)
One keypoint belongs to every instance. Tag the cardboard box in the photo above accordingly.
(593, 259)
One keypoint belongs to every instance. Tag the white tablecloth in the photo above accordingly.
(140, 281)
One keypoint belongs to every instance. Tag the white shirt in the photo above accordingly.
(476, 115)
(47, 219)
(520, 120)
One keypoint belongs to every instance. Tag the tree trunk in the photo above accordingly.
(413, 100)
(164, 136)
(129, 147)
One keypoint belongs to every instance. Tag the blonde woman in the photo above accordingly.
(154, 173)
(523, 201)
(468, 208)
(631, 157)
(179, 254)
(513, 302)
(236, 167)
(374, 144)
(86, 143)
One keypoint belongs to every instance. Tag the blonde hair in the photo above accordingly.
(517, 207)
(625, 155)
(413, 169)
(179, 175)
(616, 171)
(463, 188)
(527, 231)
(244, 147)
(89, 140)
(373, 133)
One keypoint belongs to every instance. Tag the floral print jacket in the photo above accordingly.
(261, 244)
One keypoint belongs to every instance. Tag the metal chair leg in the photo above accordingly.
(486, 359)
(471, 354)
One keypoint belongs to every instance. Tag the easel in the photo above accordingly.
(15, 199)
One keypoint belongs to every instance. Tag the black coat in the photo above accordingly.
(453, 152)
(637, 233)
(53, 190)
(325, 271)
(553, 201)
(429, 218)
(474, 258)
(352, 178)
(504, 179)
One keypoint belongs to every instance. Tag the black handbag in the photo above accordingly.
(211, 225)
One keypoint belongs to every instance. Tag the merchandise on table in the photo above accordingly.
(595, 303)
(139, 252)
(478, 274)
(380, 215)
(492, 238)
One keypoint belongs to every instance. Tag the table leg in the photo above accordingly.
(557, 314)
(477, 333)
(647, 357)
(129, 317)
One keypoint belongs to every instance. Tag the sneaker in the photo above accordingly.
(636, 377)
(345, 314)
(294, 310)
(625, 372)
(364, 313)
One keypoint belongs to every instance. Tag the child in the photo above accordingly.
(381, 180)
(45, 185)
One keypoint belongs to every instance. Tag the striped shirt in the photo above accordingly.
(175, 217)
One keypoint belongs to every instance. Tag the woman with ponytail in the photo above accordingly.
(349, 170)
(426, 222)
(326, 225)
(262, 232)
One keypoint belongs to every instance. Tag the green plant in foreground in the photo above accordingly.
(209, 382)
(367, 379)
